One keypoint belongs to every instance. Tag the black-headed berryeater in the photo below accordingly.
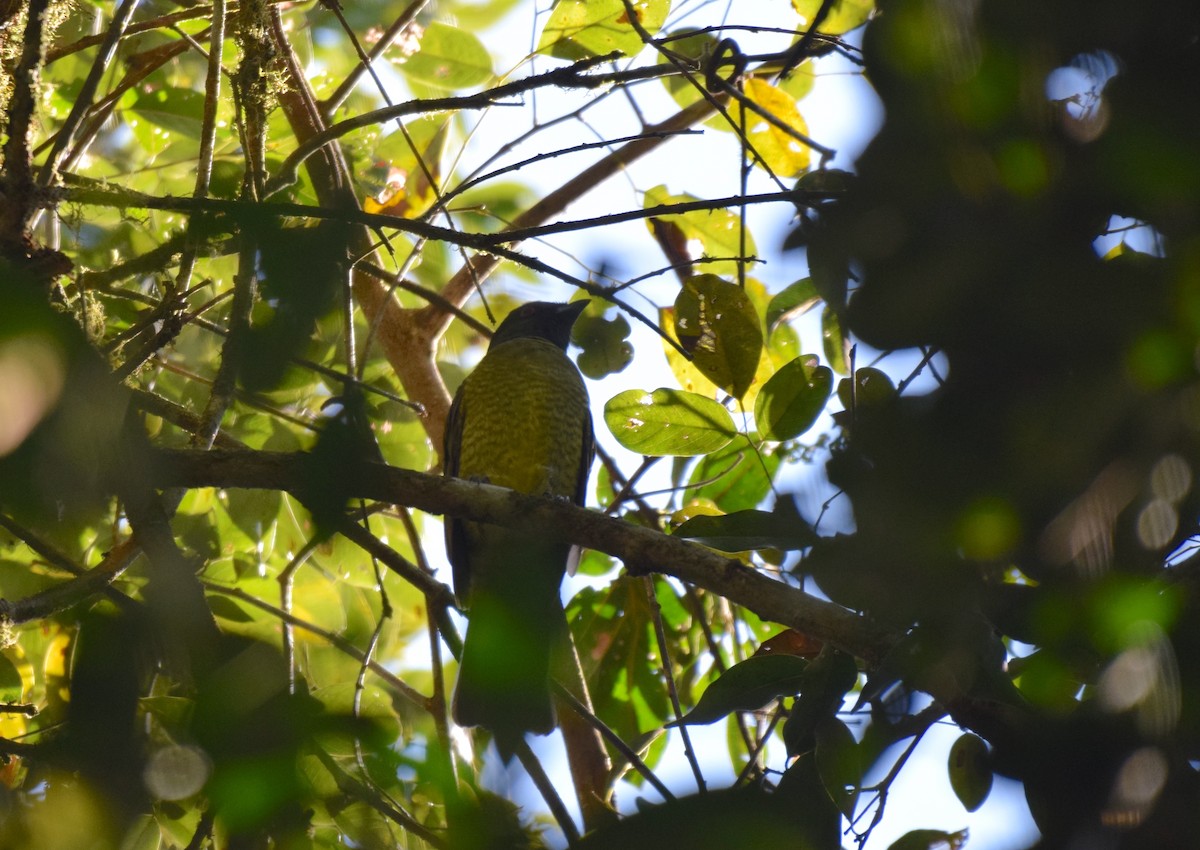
(521, 420)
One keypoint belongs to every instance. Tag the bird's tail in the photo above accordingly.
(504, 677)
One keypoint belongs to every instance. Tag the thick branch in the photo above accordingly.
(641, 549)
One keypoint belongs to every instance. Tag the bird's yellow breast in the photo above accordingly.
(525, 415)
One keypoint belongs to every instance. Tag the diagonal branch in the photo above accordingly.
(642, 550)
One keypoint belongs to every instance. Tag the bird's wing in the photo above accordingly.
(587, 455)
(457, 549)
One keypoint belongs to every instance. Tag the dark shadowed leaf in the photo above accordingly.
(747, 686)
(792, 400)
(742, 531)
(795, 300)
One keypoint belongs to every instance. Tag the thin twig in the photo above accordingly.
(87, 92)
(664, 657)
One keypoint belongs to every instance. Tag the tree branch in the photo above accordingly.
(642, 550)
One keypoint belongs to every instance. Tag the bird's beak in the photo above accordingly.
(575, 309)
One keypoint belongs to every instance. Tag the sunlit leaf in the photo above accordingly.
(449, 58)
(776, 141)
(577, 29)
(843, 17)
(719, 231)
(668, 422)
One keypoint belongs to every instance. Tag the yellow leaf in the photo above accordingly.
(777, 148)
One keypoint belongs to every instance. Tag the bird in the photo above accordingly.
(520, 420)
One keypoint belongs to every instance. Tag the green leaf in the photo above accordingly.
(11, 686)
(790, 402)
(578, 29)
(375, 711)
(835, 342)
(174, 109)
(747, 686)
(668, 422)
(481, 14)
(736, 478)
(692, 44)
(795, 300)
(970, 771)
(742, 531)
(717, 324)
(143, 834)
(843, 17)
(612, 628)
(449, 58)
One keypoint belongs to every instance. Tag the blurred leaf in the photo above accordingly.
(577, 29)
(11, 686)
(668, 422)
(605, 344)
(303, 269)
(793, 399)
(449, 58)
(716, 323)
(175, 109)
(142, 834)
(744, 817)
(612, 629)
(479, 14)
(747, 686)
(377, 724)
(843, 17)
(697, 46)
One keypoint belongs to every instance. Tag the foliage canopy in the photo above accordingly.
(239, 267)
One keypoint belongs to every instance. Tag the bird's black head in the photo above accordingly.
(541, 320)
